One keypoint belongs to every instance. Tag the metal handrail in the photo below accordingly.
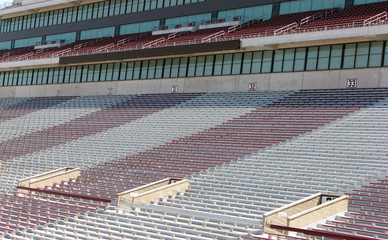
(381, 16)
(322, 233)
(67, 194)
(354, 24)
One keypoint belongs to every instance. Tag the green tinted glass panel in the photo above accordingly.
(336, 56)
(66, 75)
(349, 55)
(90, 74)
(159, 68)
(256, 62)
(218, 65)
(267, 62)
(175, 67)
(376, 54)
(288, 62)
(278, 61)
(136, 70)
(200, 66)
(183, 67)
(123, 71)
(130, 68)
(109, 72)
(167, 68)
(323, 58)
(78, 74)
(247, 63)
(300, 59)
(362, 53)
(103, 72)
(191, 70)
(85, 71)
(312, 58)
(209, 65)
(116, 71)
(227, 67)
(386, 54)
(236, 67)
(144, 69)
(151, 69)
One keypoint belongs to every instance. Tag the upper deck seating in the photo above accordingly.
(350, 17)
(9, 55)
(268, 27)
(327, 20)
(196, 37)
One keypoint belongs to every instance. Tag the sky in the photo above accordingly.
(3, 1)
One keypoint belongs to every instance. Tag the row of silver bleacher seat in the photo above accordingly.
(365, 219)
(222, 217)
(367, 215)
(134, 136)
(56, 115)
(224, 114)
(267, 188)
(84, 126)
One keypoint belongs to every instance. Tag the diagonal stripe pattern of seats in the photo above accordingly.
(257, 148)
(93, 123)
(27, 106)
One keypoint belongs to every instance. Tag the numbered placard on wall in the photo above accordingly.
(110, 91)
(174, 88)
(351, 83)
(58, 93)
(252, 86)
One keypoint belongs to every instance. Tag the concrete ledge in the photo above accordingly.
(219, 25)
(306, 39)
(29, 64)
(35, 6)
(319, 212)
(174, 30)
(305, 211)
(49, 178)
(152, 192)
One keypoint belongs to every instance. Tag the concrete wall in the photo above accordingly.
(328, 79)
(281, 215)
(347, 35)
(318, 213)
(304, 212)
(152, 192)
(49, 178)
(26, 64)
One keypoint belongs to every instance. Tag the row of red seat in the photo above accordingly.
(284, 119)
(90, 124)
(350, 17)
(29, 106)
(277, 122)
(368, 212)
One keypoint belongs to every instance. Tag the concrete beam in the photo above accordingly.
(337, 36)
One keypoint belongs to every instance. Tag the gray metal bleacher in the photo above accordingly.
(134, 136)
(330, 145)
